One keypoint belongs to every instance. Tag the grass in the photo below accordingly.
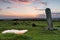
(36, 33)
(13, 37)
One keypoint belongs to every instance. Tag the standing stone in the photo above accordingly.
(49, 18)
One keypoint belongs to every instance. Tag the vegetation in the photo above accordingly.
(13, 37)
(34, 33)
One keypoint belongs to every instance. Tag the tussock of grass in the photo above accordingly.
(14, 37)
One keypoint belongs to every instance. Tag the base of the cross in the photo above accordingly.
(51, 29)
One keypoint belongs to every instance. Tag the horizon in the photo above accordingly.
(54, 15)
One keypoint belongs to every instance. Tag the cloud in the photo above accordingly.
(22, 1)
(8, 7)
(5, 1)
(43, 3)
(25, 1)
(0, 9)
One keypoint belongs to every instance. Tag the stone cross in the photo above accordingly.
(49, 18)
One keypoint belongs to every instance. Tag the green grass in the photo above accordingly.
(36, 33)
(14, 37)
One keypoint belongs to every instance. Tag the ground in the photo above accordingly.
(38, 32)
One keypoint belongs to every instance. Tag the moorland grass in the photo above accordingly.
(36, 33)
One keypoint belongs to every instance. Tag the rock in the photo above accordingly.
(15, 31)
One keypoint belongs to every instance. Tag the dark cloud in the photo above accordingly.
(8, 7)
(0, 0)
(5, 1)
(43, 3)
(24, 0)
(20, 0)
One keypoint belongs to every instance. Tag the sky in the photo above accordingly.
(27, 8)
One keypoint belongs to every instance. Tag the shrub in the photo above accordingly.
(33, 25)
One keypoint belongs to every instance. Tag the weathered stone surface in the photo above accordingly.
(49, 18)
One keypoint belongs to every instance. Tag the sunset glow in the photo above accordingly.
(27, 8)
